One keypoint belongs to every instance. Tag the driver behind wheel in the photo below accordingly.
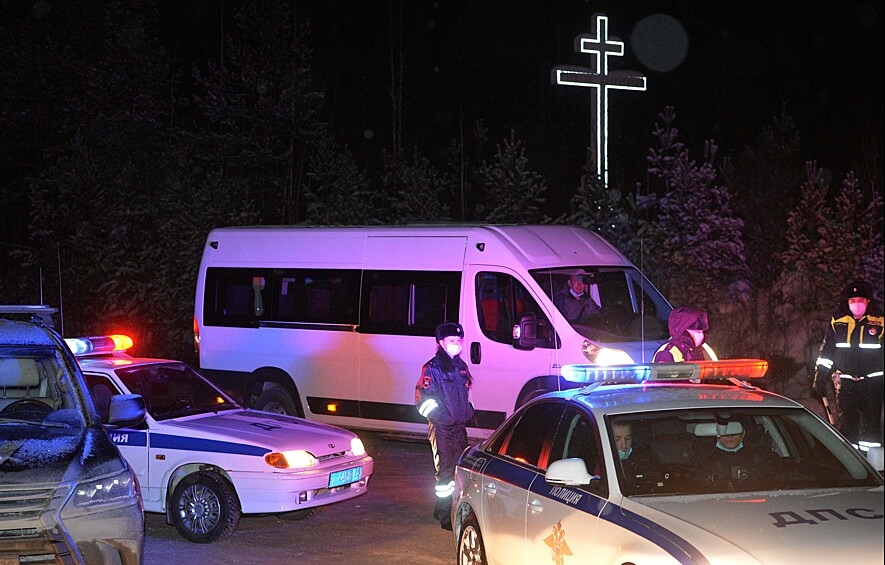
(729, 465)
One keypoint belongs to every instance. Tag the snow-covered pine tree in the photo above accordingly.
(337, 191)
(260, 103)
(421, 192)
(610, 212)
(805, 283)
(852, 235)
(697, 250)
(513, 194)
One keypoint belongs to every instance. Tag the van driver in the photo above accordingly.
(574, 302)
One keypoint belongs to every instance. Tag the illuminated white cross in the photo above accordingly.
(600, 79)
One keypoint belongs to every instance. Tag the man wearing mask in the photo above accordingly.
(574, 302)
(687, 338)
(851, 357)
(636, 461)
(442, 396)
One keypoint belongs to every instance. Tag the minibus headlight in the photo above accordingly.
(604, 355)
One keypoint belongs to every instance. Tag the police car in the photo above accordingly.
(203, 460)
(667, 463)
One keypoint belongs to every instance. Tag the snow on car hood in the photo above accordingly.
(38, 455)
(838, 525)
(275, 432)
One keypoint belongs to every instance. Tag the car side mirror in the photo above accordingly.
(126, 410)
(570, 472)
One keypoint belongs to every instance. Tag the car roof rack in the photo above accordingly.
(37, 313)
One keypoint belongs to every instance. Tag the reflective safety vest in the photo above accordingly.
(709, 354)
(852, 347)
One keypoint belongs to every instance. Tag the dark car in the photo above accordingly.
(66, 493)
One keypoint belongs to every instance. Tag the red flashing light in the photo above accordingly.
(732, 368)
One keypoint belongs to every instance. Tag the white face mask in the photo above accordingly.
(858, 309)
(697, 336)
(453, 349)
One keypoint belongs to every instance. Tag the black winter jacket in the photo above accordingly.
(441, 394)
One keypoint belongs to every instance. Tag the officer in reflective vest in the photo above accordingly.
(687, 342)
(442, 396)
(851, 357)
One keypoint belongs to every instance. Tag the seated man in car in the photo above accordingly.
(574, 302)
(637, 461)
(729, 465)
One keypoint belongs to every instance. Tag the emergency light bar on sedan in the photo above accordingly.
(666, 372)
(98, 344)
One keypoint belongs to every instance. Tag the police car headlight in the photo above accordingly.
(297, 459)
(100, 494)
(604, 355)
(357, 447)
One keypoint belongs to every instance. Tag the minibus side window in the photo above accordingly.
(237, 297)
(408, 302)
(501, 301)
(318, 296)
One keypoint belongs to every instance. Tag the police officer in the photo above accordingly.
(731, 466)
(851, 356)
(441, 396)
(687, 342)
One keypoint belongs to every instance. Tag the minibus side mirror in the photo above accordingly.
(531, 332)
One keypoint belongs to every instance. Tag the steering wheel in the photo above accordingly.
(26, 409)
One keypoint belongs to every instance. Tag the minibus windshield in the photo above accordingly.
(606, 304)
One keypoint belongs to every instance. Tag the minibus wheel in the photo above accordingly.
(276, 401)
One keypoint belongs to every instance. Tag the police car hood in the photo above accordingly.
(276, 432)
(836, 525)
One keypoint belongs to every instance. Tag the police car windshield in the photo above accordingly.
(37, 387)
(726, 451)
(173, 390)
(616, 303)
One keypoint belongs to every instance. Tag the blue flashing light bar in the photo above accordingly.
(664, 372)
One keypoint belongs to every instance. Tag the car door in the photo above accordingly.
(561, 521)
(498, 301)
(132, 442)
(515, 464)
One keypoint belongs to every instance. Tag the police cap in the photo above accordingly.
(448, 329)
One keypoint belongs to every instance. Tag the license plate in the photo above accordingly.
(345, 477)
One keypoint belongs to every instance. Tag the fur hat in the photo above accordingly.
(447, 329)
(857, 289)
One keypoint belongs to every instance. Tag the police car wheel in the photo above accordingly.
(300, 514)
(276, 401)
(470, 548)
(205, 508)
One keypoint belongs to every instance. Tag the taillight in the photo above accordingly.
(197, 338)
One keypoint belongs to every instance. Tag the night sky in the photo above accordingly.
(489, 60)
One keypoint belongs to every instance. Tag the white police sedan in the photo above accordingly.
(203, 460)
(668, 469)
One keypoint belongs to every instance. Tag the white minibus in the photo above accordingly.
(335, 323)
